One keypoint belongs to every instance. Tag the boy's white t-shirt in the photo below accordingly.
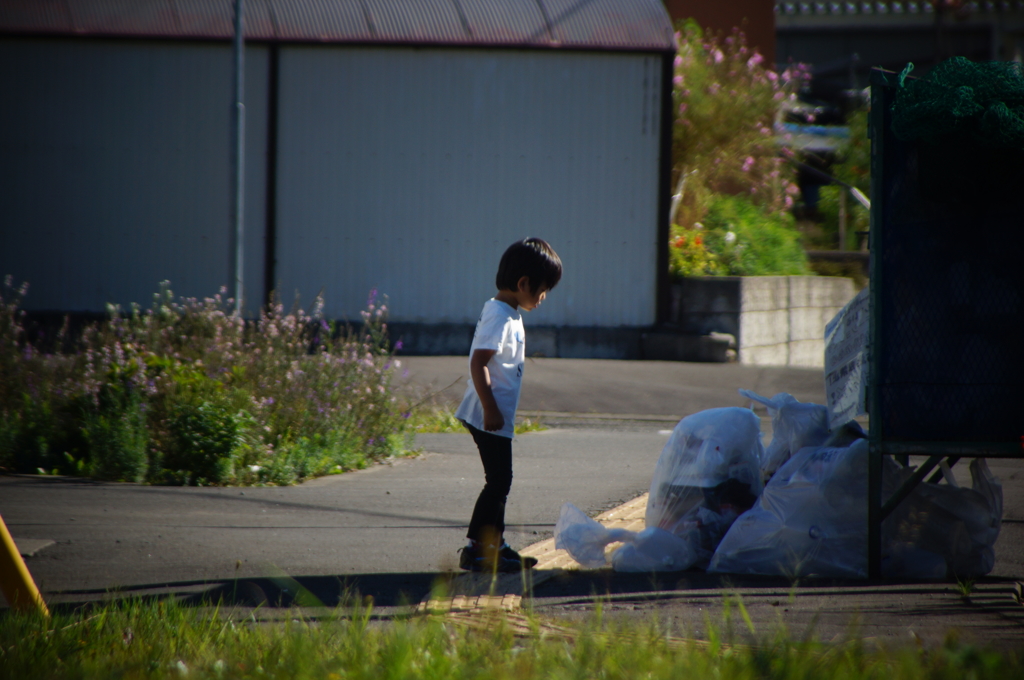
(500, 328)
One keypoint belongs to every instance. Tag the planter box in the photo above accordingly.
(776, 320)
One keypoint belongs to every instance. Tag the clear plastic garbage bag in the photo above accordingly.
(655, 549)
(810, 520)
(707, 475)
(652, 549)
(795, 425)
(943, 530)
(584, 538)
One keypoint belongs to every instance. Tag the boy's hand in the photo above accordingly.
(493, 421)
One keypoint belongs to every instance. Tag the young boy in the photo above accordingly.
(527, 271)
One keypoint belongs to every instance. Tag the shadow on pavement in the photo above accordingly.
(600, 582)
(274, 591)
(986, 612)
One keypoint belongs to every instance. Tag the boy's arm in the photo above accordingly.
(493, 420)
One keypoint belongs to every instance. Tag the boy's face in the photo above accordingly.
(526, 298)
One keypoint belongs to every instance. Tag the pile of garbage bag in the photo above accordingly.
(811, 519)
(942, 529)
(707, 475)
(795, 424)
(719, 501)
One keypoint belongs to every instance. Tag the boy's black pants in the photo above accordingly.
(488, 522)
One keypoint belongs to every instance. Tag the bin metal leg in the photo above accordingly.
(874, 512)
(908, 486)
(937, 477)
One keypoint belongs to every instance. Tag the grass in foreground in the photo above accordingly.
(164, 640)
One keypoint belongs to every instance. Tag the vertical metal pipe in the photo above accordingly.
(842, 218)
(238, 125)
(270, 238)
(876, 128)
(663, 229)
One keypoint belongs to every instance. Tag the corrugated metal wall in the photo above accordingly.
(640, 25)
(411, 170)
(115, 169)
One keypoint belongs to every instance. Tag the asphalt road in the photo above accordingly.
(588, 386)
(407, 517)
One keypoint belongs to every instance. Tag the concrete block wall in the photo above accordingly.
(777, 320)
(763, 338)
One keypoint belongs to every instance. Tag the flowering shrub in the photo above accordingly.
(738, 239)
(186, 392)
(724, 139)
(689, 255)
(747, 242)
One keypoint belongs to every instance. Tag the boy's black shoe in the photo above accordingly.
(503, 560)
(508, 553)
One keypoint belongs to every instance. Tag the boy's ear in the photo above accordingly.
(523, 285)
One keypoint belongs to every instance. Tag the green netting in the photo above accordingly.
(965, 121)
(982, 101)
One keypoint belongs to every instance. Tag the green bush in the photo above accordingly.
(45, 435)
(188, 392)
(116, 435)
(203, 438)
(315, 456)
(27, 434)
(747, 241)
(40, 419)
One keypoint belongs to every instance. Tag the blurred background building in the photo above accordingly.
(389, 145)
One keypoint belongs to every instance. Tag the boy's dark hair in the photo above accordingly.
(532, 258)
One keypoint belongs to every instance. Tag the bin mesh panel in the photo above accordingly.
(951, 361)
